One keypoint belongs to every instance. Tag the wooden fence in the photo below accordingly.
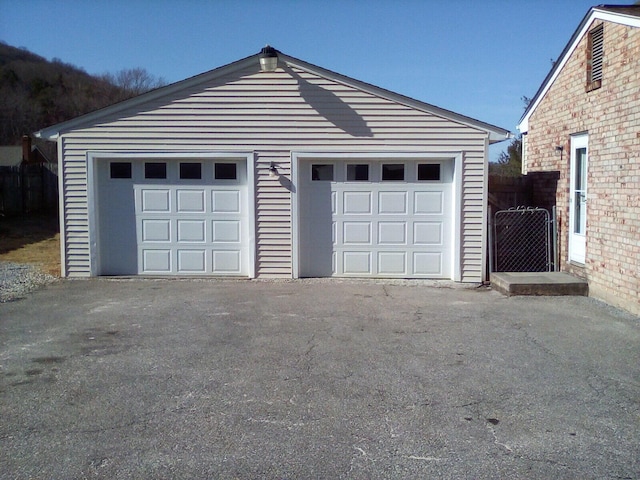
(537, 189)
(29, 189)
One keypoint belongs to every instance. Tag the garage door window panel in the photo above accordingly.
(429, 172)
(226, 171)
(155, 170)
(120, 170)
(322, 172)
(392, 172)
(357, 172)
(190, 171)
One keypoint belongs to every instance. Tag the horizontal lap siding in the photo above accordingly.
(273, 114)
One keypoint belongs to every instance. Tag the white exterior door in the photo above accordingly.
(578, 199)
(376, 218)
(173, 217)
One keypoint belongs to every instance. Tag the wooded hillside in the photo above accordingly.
(36, 93)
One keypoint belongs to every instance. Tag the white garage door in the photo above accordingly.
(376, 218)
(173, 217)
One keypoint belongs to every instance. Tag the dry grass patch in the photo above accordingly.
(32, 240)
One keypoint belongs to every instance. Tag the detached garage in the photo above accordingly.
(282, 170)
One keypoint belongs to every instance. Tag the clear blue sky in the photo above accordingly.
(475, 57)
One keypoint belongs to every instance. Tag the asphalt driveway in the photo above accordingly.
(315, 379)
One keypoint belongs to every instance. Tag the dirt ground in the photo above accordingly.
(34, 240)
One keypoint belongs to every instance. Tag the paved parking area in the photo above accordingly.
(315, 379)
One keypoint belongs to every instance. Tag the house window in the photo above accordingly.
(595, 52)
(429, 171)
(190, 171)
(357, 172)
(393, 172)
(155, 170)
(226, 171)
(322, 173)
(120, 169)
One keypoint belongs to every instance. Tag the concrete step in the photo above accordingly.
(538, 283)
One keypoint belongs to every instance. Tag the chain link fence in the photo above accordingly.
(522, 240)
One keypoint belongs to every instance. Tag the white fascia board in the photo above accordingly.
(523, 126)
(595, 14)
(497, 138)
(496, 134)
(53, 132)
(621, 18)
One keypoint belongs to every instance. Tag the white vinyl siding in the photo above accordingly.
(272, 115)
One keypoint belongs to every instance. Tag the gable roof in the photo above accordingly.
(623, 14)
(496, 134)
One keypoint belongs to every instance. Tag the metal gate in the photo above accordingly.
(522, 240)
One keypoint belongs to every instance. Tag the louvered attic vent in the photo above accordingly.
(595, 53)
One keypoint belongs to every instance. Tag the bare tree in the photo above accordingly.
(134, 81)
(35, 92)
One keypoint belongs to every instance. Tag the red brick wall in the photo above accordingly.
(611, 117)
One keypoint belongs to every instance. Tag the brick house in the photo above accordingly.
(584, 124)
